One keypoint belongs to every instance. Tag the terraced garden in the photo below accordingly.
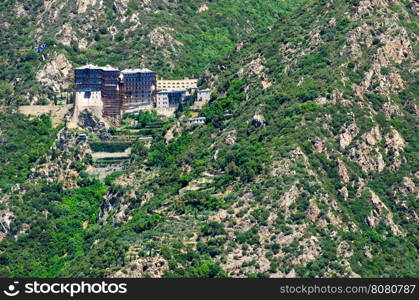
(114, 154)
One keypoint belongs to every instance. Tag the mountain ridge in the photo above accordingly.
(177, 39)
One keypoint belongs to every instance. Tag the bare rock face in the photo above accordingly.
(289, 197)
(393, 44)
(291, 274)
(367, 252)
(318, 145)
(258, 120)
(256, 70)
(256, 66)
(107, 205)
(53, 172)
(82, 5)
(358, 36)
(367, 154)
(53, 9)
(390, 109)
(395, 141)
(284, 166)
(369, 151)
(55, 74)
(344, 192)
(120, 7)
(348, 134)
(88, 120)
(231, 138)
(381, 211)
(366, 6)
(58, 167)
(407, 186)
(169, 134)
(311, 250)
(115, 207)
(153, 267)
(313, 211)
(203, 7)
(373, 137)
(6, 217)
(396, 47)
(67, 34)
(20, 10)
(343, 171)
(266, 84)
(160, 37)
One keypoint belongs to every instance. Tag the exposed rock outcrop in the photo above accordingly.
(107, 205)
(6, 218)
(203, 7)
(367, 153)
(90, 122)
(348, 133)
(230, 138)
(60, 165)
(82, 5)
(381, 212)
(343, 171)
(258, 120)
(153, 267)
(407, 186)
(55, 74)
(20, 9)
(161, 37)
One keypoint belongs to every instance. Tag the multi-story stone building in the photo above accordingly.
(112, 105)
(109, 92)
(194, 121)
(169, 101)
(138, 89)
(97, 88)
(203, 95)
(173, 85)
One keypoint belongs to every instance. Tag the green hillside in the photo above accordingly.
(306, 167)
(176, 39)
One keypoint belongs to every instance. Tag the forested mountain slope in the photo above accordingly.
(307, 167)
(43, 40)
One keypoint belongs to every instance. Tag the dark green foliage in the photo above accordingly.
(112, 177)
(143, 223)
(213, 247)
(261, 216)
(250, 237)
(196, 200)
(199, 269)
(146, 118)
(57, 240)
(213, 229)
(376, 100)
(109, 146)
(23, 142)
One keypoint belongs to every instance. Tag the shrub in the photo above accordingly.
(251, 236)
(142, 223)
(109, 147)
(196, 200)
(213, 229)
